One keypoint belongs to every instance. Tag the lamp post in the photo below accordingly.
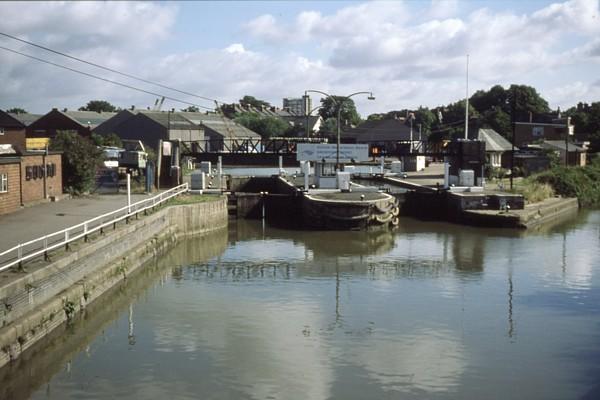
(308, 114)
(339, 103)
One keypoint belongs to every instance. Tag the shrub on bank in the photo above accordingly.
(534, 191)
(580, 182)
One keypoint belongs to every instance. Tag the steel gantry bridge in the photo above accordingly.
(284, 146)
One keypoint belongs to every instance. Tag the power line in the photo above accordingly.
(106, 68)
(104, 79)
(439, 128)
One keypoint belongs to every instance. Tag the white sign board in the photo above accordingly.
(328, 152)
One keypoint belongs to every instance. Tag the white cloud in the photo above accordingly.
(266, 28)
(81, 24)
(574, 15)
(348, 22)
(235, 48)
(440, 9)
(406, 57)
(115, 34)
(570, 94)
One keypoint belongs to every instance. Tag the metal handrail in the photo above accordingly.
(85, 228)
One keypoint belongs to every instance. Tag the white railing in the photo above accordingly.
(42, 245)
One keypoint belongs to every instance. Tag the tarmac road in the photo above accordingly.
(39, 220)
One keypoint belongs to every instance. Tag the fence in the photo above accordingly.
(42, 245)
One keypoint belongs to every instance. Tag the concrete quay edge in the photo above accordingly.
(47, 311)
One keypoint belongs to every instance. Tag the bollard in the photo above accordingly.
(220, 171)
(306, 175)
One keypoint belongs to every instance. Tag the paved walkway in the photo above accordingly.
(35, 221)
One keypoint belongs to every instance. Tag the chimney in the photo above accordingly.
(132, 108)
(65, 109)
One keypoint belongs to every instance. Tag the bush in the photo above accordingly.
(535, 192)
(80, 160)
(495, 172)
(580, 182)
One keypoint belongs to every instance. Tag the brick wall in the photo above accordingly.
(32, 182)
(14, 136)
(11, 200)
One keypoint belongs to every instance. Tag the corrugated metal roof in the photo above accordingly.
(494, 141)
(108, 126)
(89, 118)
(224, 126)
(170, 120)
(25, 118)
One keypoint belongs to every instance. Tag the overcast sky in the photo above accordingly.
(407, 53)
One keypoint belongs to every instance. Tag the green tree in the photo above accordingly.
(265, 126)
(253, 101)
(425, 118)
(375, 117)
(80, 160)
(586, 119)
(453, 119)
(495, 98)
(16, 110)
(527, 101)
(191, 109)
(111, 140)
(498, 120)
(98, 106)
(349, 115)
(329, 127)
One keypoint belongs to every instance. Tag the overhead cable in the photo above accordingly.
(105, 68)
(104, 79)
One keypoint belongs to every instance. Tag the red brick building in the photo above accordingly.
(10, 184)
(532, 132)
(12, 131)
(27, 178)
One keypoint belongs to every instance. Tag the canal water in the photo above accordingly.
(430, 311)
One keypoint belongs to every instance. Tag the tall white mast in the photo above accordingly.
(467, 103)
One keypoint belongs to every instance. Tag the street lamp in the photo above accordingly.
(339, 103)
(308, 114)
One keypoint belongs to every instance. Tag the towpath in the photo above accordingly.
(39, 220)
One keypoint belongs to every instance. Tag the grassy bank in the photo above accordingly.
(580, 182)
(192, 199)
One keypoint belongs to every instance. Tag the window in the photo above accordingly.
(3, 183)
(1, 131)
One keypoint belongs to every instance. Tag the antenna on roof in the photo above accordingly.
(158, 104)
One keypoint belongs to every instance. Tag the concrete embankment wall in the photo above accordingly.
(533, 216)
(31, 307)
(468, 210)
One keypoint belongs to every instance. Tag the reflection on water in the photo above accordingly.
(429, 311)
(403, 362)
